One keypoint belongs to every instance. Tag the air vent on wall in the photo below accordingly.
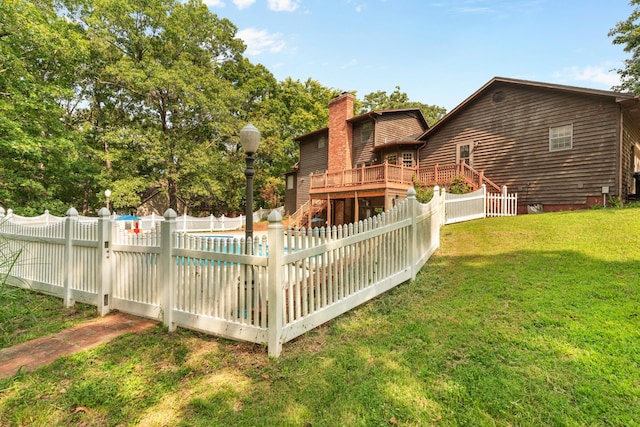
(498, 96)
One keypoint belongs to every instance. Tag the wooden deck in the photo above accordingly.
(386, 177)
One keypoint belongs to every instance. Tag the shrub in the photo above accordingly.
(459, 185)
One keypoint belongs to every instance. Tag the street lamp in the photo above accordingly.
(250, 140)
(107, 195)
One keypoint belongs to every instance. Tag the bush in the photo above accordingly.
(424, 194)
(459, 185)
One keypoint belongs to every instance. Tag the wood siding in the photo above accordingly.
(391, 126)
(510, 140)
(362, 150)
(630, 149)
(313, 159)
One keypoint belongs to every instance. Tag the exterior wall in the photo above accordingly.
(388, 127)
(314, 157)
(290, 194)
(391, 126)
(630, 156)
(362, 150)
(510, 140)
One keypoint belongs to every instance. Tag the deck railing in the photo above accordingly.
(385, 174)
(377, 174)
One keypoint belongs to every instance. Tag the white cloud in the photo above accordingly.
(214, 3)
(601, 75)
(242, 4)
(283, 5)
(352, 63)
(259, 41)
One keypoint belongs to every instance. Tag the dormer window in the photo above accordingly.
(366, 132)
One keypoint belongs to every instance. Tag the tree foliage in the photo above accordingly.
(380, 100)
(134, 95)
(627, 33)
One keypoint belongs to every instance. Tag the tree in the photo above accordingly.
(627, 33)
(39, 53)
(380, 100)
(292, 108)
(163, 112)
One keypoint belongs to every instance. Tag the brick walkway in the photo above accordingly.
(42, 351)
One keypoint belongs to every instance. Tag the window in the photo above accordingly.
(464, 154)
(407, 160)
(392, 159)
(322, 141)
(561, 138)
(366, 132)
(289, 182)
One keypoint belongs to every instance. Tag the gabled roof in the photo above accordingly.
(405, 140)
(623, 98)
(369, 115)
(314, 133)
(376, 113)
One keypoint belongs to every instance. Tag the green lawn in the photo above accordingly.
(530, 320)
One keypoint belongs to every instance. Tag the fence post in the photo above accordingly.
(437, 219)
(69, 222)
(104, 262)
(167, 267)
(504, 200)
(484, 198)
(412, 206)
(2, 212)
(443, 203)
(275, 315)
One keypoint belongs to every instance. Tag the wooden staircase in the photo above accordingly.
(444, 175)
(307, 212)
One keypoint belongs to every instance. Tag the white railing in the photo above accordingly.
(502, 204)
(479, 204)
(187, 223)
(254, 293)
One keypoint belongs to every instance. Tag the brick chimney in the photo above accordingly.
(340, 132)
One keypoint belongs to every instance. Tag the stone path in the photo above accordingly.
(32, 354)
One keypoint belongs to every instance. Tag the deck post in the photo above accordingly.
(69, 224)
(275, 292)
(167, 267)
(104, 262)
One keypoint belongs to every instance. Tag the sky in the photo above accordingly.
(439, 52)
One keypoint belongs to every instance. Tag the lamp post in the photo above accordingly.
(107, 195)
(250, 140)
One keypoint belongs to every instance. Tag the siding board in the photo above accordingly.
(513, 143)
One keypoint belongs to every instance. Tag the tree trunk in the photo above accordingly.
(173, 194)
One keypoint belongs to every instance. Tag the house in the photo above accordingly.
(559, 147)
(356, 166)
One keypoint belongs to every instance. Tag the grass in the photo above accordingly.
(25, 315)
(531, 320)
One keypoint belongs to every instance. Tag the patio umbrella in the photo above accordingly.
(128, 218)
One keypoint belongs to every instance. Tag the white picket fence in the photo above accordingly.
(185, 223)
(479, 204)
(269, 291)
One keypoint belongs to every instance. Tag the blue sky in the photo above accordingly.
(438, 51)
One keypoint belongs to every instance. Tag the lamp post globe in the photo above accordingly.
(107, 195)
(249, 140)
